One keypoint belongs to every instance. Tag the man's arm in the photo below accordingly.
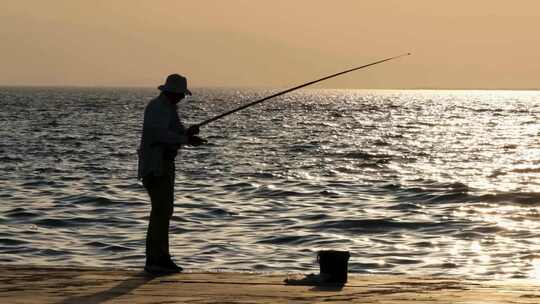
(157, 125)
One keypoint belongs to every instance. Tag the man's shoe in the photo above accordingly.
(157, 269)
(163, 267)
(171, 265)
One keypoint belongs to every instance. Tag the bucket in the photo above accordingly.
(334, 266)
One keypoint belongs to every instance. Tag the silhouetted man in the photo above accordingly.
(163, 134)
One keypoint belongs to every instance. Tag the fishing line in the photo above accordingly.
(296, 88)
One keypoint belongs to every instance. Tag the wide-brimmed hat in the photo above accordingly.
(176, 84)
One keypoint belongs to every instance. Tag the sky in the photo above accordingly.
(458, 44)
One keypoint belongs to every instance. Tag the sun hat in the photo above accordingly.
(176, 84)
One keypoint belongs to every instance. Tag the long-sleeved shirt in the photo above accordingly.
(162, 134)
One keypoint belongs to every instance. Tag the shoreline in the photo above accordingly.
(39, 284)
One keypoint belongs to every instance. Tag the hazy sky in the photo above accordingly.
(278, 43)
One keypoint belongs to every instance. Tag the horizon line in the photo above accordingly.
(270, 87)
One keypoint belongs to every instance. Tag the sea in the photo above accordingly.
(410, 182)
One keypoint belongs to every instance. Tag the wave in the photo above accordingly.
(431, 192)
(373, 225)
(20, 213)
(519, 198)
(89, 199)
(526, 170)
(12, 242)
(286, 239)
(360, 155)
(11, 159)
(458, 193)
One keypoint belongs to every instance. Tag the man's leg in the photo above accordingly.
(160, 189)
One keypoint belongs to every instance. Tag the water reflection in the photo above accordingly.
(535, 272)
(416, 182)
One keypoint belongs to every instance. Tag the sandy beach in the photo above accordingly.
(28, 284)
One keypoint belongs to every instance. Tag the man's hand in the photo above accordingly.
(196, 141)
(193, 130)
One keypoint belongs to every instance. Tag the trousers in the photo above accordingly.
(161, 192)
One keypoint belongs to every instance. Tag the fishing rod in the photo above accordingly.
(295, 88)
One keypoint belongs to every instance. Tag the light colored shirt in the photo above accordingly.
(162, 132)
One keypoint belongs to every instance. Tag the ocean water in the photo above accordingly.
(410, 182)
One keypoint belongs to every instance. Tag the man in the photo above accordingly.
(163, 134)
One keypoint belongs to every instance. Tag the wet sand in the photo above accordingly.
(21, 284)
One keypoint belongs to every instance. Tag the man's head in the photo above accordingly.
(175, 88)
(174, 98)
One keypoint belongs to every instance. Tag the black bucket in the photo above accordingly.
(334, 266)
